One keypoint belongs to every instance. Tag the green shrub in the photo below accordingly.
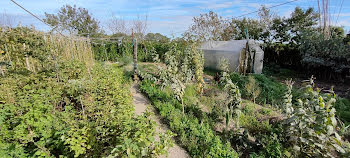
(255, 118)
(271, 148)
(326, 57)
(311, 125)
(190, 95)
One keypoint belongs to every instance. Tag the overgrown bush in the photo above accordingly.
(328, 58)
(64, 105)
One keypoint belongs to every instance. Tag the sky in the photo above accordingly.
(168, 17)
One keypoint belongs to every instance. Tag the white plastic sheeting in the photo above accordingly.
(214, 51)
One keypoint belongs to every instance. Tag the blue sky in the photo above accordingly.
(164, 16)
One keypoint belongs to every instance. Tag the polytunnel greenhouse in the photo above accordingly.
(243, 56)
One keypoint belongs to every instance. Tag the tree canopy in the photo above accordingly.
(156, 37)
(74, 21)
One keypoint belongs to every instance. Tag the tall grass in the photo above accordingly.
(24, 48)
(71, 47)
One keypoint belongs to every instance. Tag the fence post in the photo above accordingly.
(135, 55)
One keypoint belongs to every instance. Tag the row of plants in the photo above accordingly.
(112, 50)
(70, 106)
(241, 120)
(195, 135)
(250, 130)
(169, 90)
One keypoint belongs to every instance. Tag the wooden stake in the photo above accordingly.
(135, 56)
(27, 57)
(2, 71)
(104, 48)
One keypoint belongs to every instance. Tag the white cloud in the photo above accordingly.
(217, 5)
(341, 15)
(345, 22)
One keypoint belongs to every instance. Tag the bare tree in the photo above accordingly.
(207, 26)
(139, 25)
(7, 20)
(117, 25)
(266, 17)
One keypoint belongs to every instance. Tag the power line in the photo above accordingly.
(35, 16)
(341, 7)
(266, 8)
(258, 10)
(30, 12)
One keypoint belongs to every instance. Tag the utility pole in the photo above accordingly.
(319, 14)
(326, 17)
(134, 43)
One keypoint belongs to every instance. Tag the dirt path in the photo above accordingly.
(141, 103)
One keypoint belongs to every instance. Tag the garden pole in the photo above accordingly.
(134, 43)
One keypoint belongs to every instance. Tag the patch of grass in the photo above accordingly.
(256, 118)
(210, 71)
(249, 107)
(125, 60)
(148, 67)
(277, 71)
(272, 92)
(253, 125)
(343, 109)
(190, 95)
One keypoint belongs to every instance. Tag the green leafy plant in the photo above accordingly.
(252, 88)
(233, 100)
(311, 124)
(272, 91)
